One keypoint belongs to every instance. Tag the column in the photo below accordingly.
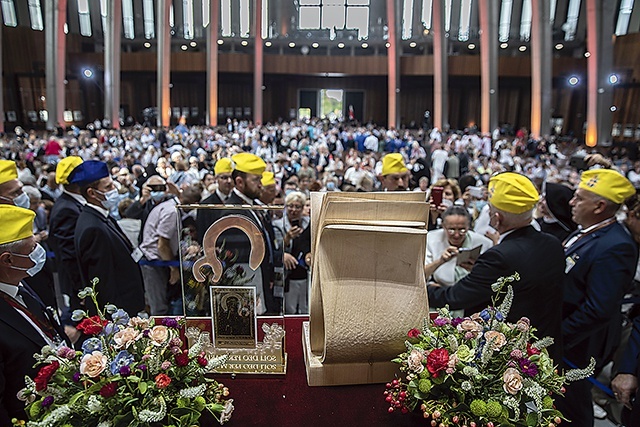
(257, 64)
(212, 63)
(600, 16)
(55, 60)
(112, 63)
(440, 67)
(163, 36)
(393, 65)
(540, 69)
(489, 65)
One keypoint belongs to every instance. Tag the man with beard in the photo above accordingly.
(395, 175)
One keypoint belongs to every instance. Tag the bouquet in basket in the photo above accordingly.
(130, 372)
(480, 370)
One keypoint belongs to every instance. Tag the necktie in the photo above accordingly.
(35, 310)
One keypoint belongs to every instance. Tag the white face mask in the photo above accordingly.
(38, 255)
(110, 198)
(22, 201)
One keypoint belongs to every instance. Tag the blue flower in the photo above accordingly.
(109, 329)
(110, 308)
(120, 317)
(123, 358)
(485, 315)
(499, 316)
(91, 345)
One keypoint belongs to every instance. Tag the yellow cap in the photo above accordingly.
(8, 171)
(393, 163)
(607, 183)
(249, 163)
(223, 165)
(66, 167)
(17, 223)
(512, 192)
(268, 178)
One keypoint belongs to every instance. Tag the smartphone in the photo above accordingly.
(436, 195)
(295, 223)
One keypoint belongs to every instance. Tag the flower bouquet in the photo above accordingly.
(130, 372)
(480, 370)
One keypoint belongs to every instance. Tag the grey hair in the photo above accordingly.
(295, 196)
(516, 220)
(11, 246)
(32, 192)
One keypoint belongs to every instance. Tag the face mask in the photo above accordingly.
(38, 256)
(111, 198)
(22, 201)
(480, 204)
(157, 195)
(331, 186)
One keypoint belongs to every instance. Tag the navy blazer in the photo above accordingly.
(206, 217)
(105, 252)
(600, 269)
(62, 227)
(538, 259)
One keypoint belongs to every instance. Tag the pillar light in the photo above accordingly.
(87, 73)
(471, 46)
(292, 45)
(315, 45)
(267, 44)
(559, 46)
(613, 79)
(220, 42)
(587, 54)
(365, 45)
(573, 80)
(147, 45)
(184, 47)
(387, 45)
(244, 42)
(504, 45)
(522, 48)
(193, 44)
(413, 44)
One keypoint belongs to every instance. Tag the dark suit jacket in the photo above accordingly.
(538, 258)
(206, 217)
(605, 263)
(19, 341)
(62, 227)
(105, 252)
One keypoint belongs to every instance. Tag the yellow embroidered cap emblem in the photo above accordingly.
(607, 183)
(512, 192)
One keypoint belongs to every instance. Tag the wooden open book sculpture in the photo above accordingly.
(368, 286)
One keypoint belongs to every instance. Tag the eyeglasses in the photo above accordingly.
(453, 231)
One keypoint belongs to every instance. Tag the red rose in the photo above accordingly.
(182, 359)
(413, 333)
(437, 361)
(44, 375)
(202, 361)
(109, 390)
(163, 380)
(92, 325)
(532, 350)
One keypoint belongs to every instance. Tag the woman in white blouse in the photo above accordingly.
(443, 246)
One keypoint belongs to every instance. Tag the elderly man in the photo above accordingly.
(102, 248)
(601, 259)
(25, 324)
(536, 257)
(10, 188)
(395, 175)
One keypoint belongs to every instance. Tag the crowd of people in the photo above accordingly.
(101, 203)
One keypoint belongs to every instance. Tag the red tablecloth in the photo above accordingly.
(282, 401)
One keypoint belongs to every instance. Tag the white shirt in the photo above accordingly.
(102, 210)
(76, 197)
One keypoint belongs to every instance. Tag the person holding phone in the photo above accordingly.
(442, 196)
(295, 233)
(445, 244)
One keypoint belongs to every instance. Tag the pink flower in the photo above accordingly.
(413, 333)
(165, 365)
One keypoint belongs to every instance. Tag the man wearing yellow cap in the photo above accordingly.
(537, 257)
(10, 188)
(395, 175)
(269, 188)
(600, 263)
(26, 325)
(247, 177)
(62, 225)
(205, 217)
